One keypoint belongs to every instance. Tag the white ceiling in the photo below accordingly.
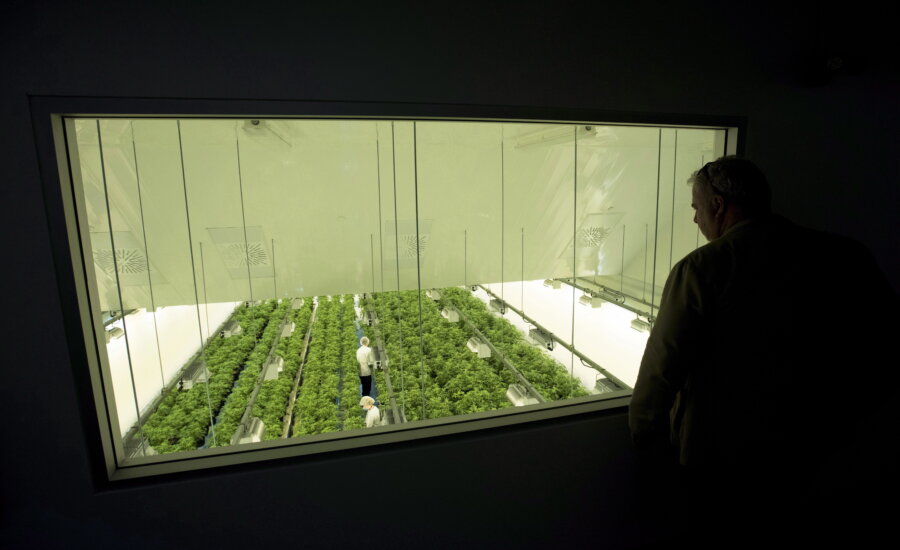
(323, 206)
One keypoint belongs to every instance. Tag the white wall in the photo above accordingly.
(181, 331)
(603, 334)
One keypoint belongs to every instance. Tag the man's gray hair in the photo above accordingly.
(737, 180)
(364, 341)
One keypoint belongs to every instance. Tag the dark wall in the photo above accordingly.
(826, 138)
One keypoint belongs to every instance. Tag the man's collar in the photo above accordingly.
(750, 222)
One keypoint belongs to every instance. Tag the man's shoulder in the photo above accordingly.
(722, 251)
(775, 237)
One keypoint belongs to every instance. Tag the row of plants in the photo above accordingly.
(351, 414)
(545, 374)
(315, 410)
(272, 399)
(182, 419)
(230, 416)
(438, 371)
(433, 373)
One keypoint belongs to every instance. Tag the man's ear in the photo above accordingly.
(718, 205)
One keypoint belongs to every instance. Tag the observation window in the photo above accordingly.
(232, 265)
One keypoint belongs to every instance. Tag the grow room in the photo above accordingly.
(233, 265)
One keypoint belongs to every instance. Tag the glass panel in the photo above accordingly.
(617, 190)
(381, 317)
(539, 225)
(137, 363)
(404, 239)
(490, 265)
(107, 263)
(464, 251)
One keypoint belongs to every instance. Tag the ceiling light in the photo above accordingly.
(552, 283)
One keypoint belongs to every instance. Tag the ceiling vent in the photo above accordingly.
(242, 250)
(412, 242)
(127, 260)
(594, 230)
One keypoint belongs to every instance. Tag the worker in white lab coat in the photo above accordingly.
(366, 360)
(373, 415)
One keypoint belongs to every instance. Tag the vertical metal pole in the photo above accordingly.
(137, 176)
(205, 299)
(274, 273)
(380, 221)
(502, 216)
(672, 230)
(112, 244)
(697, 227)
(656, 239)
(574, 241)
(212, 426)
(646, 247)
(397, 254)
(418, 266)
(237, 144)
(622, 262)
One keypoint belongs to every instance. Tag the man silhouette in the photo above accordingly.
(763, 372)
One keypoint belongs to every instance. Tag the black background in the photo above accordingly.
(819, 89)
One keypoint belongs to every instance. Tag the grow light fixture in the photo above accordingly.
(251, 433)
(434, 294)
(371, 318)
(380, 360)
(605, 385)
(450, 314)
(590, 301)
(498, 306)
(194, 374)
(274, 367)
(640, 325)
(139, 446)
(552, 283)
(477, 346)
(611, 296)
(233, 328)
(113, 333)
(518, 396)
(541, 338)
